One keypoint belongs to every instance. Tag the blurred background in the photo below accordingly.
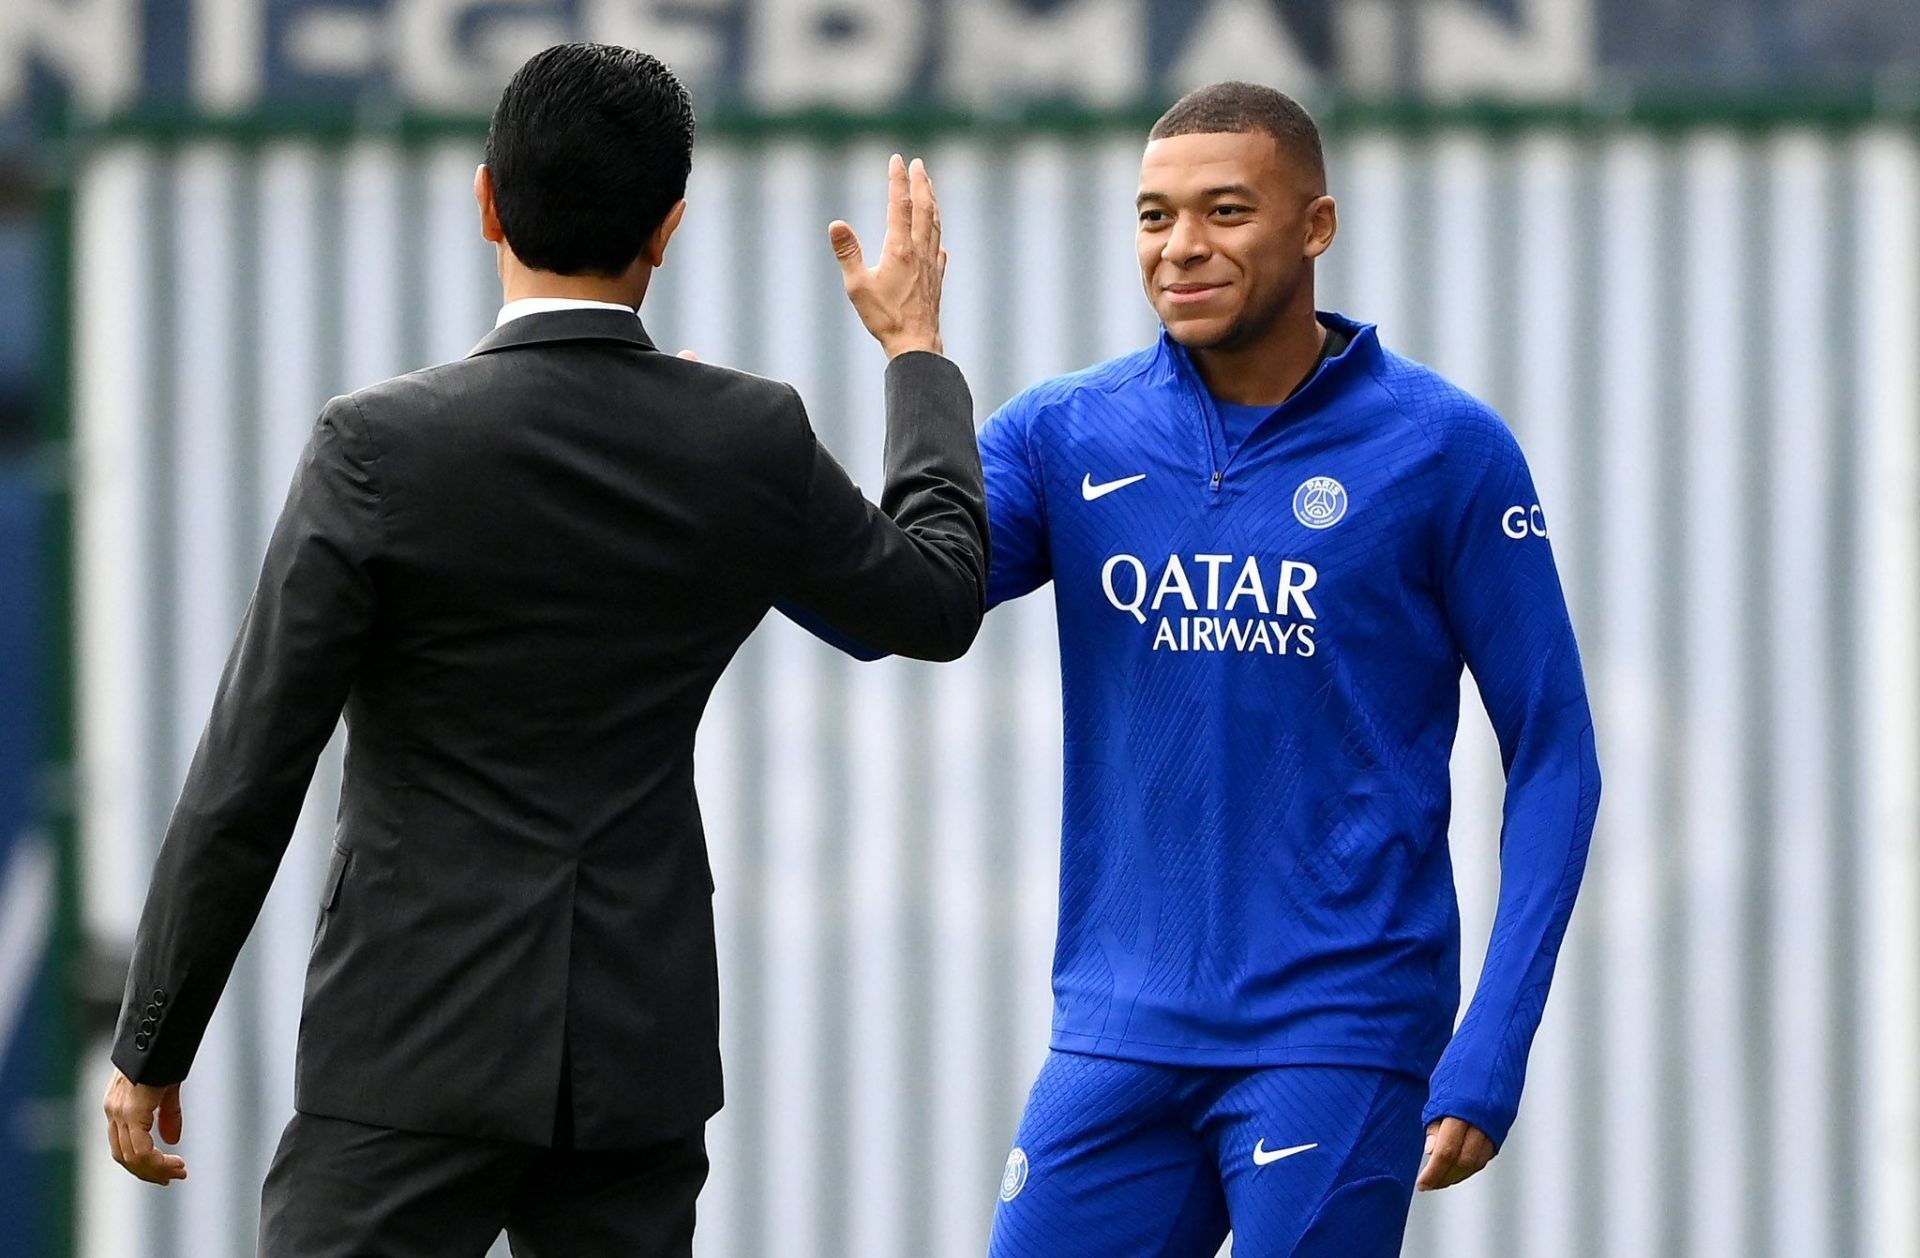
(1676, 243)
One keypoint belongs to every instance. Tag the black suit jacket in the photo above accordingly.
(521, 575)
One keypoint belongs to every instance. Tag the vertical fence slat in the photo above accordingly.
(1624, 927)
(1538, 339)
(1800, 520)
(1888, 479)
(204, 604)
(1715, 813)
(114, 596)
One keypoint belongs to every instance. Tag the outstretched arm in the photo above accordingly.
(908, 577)
(1016, 514)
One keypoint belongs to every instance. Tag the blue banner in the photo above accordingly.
(27, 881)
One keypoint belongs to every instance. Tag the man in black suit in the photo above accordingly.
(521, 574)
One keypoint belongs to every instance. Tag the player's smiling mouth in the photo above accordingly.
(1186, 293)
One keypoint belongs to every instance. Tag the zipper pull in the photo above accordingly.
(1216, 480)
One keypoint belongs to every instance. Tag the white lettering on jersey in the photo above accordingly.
(1521, 522)
(1249, 585)
(1296, 579)
(1277, 630)
(1213, 563)
(1174, 581)
(1139, 586)
(1248, 637)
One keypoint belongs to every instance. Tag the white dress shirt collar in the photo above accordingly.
(546, 305)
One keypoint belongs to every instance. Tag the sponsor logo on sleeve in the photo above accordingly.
(1520, 523)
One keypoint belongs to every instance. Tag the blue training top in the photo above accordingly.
(1260, 653)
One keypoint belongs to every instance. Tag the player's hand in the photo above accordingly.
(131, 1108)
(899, 300)
(1456, 1150)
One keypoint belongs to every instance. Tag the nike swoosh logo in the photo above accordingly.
(1261, 1156)
(1090, 491)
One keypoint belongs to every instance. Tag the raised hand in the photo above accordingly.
(899, 300)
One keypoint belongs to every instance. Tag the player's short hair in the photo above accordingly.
(589, 148)
(1243, 108)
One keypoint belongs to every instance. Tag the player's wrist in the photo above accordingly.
(910, 342)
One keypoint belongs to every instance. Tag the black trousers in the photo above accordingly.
(339, 1189)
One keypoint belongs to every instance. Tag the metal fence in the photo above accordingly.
(1708, 339)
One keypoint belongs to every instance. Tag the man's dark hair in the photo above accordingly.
(589, 148)
(1243, 108)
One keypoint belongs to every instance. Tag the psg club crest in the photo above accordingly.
(1320, 502)
(1015, 1176)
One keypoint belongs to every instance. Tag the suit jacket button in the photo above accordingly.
(140, 1042)
(147, 1025)
(159, 996)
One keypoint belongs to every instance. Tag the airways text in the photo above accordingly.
(1267, 611)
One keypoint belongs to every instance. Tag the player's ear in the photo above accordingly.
(489, 211)
(1323, 223)
(656, 250)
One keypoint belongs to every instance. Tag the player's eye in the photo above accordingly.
(1232, 211)
(1149, 218)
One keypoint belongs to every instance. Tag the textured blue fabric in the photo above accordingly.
(1121, 1159)
(1261, 655)
(1237, 422)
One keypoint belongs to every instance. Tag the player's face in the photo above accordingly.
(1227, 232)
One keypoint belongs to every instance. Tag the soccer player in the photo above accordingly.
(1273, 545)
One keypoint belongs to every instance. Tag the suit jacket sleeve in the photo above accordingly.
(907, 577)
(278, 703)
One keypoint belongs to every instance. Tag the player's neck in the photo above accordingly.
(518, 280)
(1265, 371)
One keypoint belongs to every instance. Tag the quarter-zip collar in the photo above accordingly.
(1176, 366)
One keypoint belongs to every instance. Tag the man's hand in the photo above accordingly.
(899, 300)
(130, 1110)
(1456, 1150)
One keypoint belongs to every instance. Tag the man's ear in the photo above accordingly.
(656, 250)
(1323, 224)
(489, 212)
